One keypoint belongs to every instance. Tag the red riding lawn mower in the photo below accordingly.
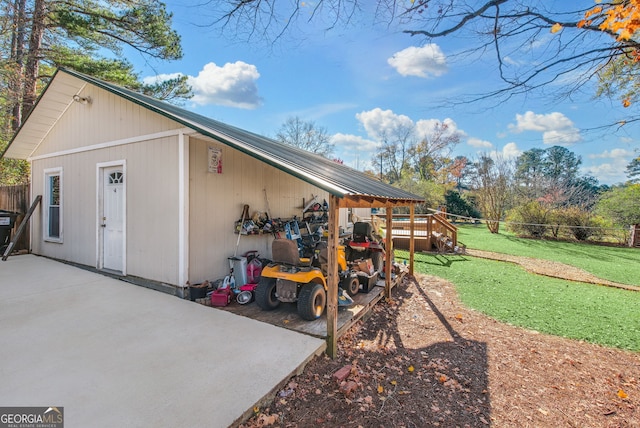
(366, 244)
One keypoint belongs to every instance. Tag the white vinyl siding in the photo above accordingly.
(53, 205)
(216, 203)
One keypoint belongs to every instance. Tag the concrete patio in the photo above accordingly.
(116, 354)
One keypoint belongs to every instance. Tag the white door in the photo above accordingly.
(112, 219)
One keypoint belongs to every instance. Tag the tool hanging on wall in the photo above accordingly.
(266, 201)
(311, 203)
(245, 215)
(270, 223)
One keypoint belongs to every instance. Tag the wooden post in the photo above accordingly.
(430, 231)
(389, 251)
(22, 228)
(412, 239)
(332, 277)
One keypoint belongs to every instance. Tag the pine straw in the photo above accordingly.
(423, 359)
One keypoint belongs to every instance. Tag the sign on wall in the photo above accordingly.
(215, 160)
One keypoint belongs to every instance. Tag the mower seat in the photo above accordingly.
(285, 251)
(363, 232)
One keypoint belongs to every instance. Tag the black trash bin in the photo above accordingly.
(7, 221)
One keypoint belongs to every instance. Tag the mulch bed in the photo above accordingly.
(423, 359)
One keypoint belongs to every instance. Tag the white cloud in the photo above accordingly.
(627, 155)
(233, 85)
(478, 143)
(151, 80)
(556, 128)
(610, 172)
(378, 122)
(425, 61)
(613, 170)
(354, 150)
(509, 151)
(425, 127)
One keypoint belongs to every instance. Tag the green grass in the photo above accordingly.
(618, 264)
(504, 291)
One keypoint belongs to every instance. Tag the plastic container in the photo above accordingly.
(239, 266)
(367, 282)
(254, 269)
(7, 221)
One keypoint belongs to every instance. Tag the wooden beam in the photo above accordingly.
(412, 239)
(332, 277)
(366, 201)
(21, 228)
(388, 252)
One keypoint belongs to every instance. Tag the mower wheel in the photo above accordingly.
(265, 294)
(351, 284)
(311, 301)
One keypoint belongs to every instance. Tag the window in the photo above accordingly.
(53, 205)
(116, 177)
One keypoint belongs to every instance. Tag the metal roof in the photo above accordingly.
(339, 180)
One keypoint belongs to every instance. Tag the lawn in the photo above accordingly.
(618, 264)
(504, 291)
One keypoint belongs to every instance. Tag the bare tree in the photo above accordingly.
(492, 188)
(394, 153)
(306, 135)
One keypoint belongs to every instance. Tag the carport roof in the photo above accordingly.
(342, 181)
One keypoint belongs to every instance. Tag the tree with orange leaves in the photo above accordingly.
(619, 76)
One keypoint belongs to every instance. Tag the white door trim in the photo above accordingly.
(99, 208)
(183, 210)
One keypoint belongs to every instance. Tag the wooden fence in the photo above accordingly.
(16, 199)
(634, 240)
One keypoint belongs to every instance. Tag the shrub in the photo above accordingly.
(581, 223)
(529, 219)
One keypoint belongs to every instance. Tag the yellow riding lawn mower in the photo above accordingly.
(291, 278)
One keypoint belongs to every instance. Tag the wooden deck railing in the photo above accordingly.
(431, 231)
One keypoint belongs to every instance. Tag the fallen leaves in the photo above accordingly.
(492, 374)
(263, 420)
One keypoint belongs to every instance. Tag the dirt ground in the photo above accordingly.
(423, 359)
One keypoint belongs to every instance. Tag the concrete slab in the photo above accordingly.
(116, 354)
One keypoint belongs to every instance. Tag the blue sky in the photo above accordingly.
(357, 81)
